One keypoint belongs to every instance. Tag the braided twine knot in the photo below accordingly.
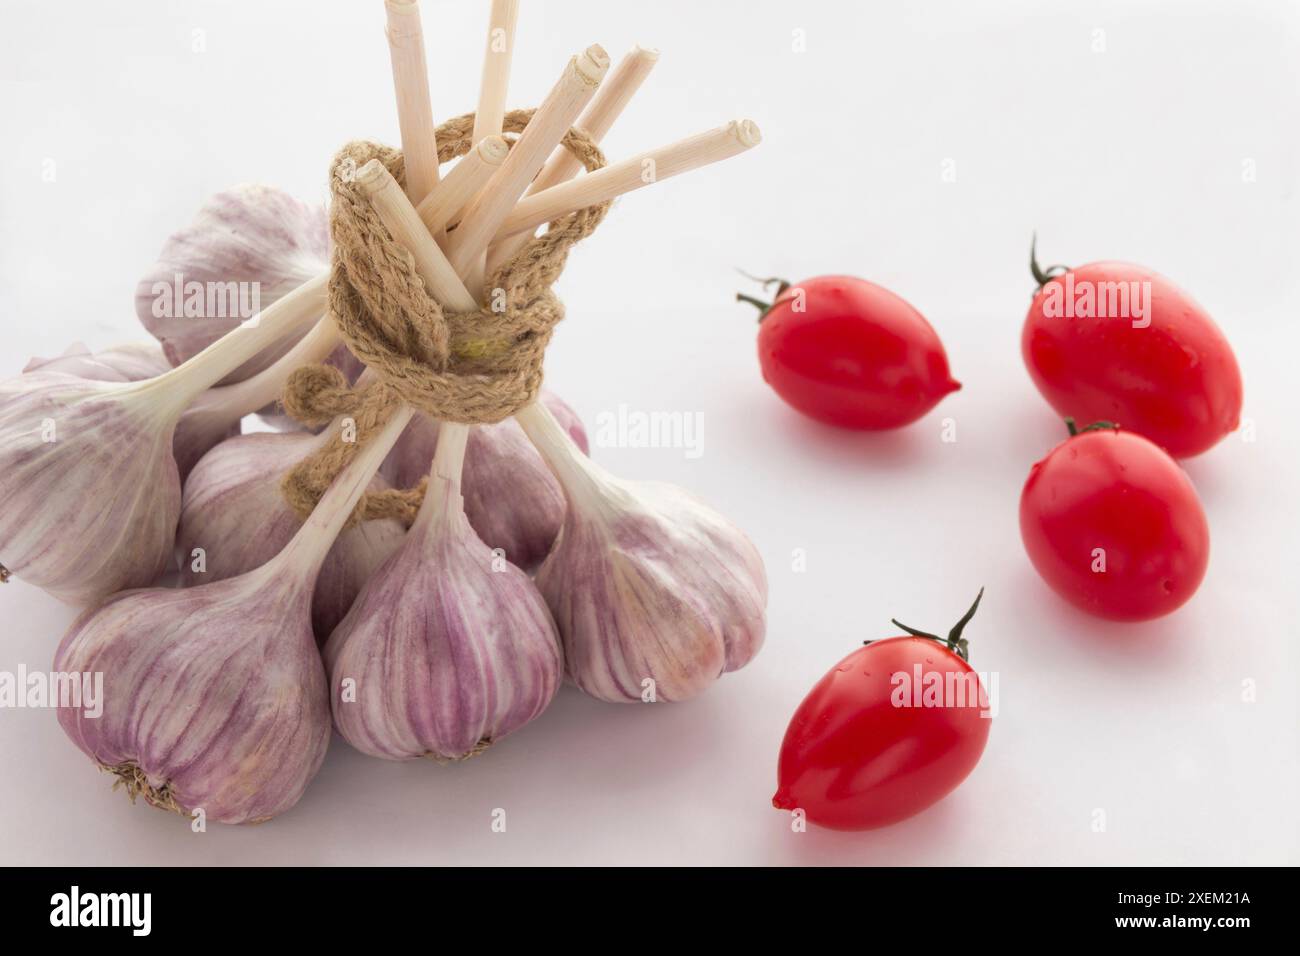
(475, 367)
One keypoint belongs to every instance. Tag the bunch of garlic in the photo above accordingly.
(437, 642)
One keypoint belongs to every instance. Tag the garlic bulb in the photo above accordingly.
(447, 648)
(654, 594)
(216, 414)
(248, 241)
(215, 697)
(121, 363)
(512, 500)
(207, 422)
(234, 519)
(88, 481)
(88, 484)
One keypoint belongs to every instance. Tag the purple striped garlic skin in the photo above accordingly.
(132, 362)
(511, 498)
(197, 433)
(648, 584)
(232, 509)
(199, 427)
(442, 653)
(214, 697)
(94, 510)
(246, 234)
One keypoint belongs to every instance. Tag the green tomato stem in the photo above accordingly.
(1042, 276)
(954, 641)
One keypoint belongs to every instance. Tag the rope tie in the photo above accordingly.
(475, 367)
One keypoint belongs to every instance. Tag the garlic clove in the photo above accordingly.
(653, 592)
(357, 553)
(234, 519)
(199, 430)
(89, 493)
(132, 362)
(511, 498)
(249, 234)
(447, 648)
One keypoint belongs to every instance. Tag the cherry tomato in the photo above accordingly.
(848, 353)
(1114, 525)
(868, 747)
(1158, 366)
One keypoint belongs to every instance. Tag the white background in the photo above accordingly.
(1134, 153)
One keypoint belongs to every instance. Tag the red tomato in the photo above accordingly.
(848, 353)
(868, 747)
(1167, 373)
(1114, 525)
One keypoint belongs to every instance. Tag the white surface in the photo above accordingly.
(1135, 153)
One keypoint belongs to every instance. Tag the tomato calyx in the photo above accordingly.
(1043, 276)
(763, 307)
(1102, 426)
(954, 641)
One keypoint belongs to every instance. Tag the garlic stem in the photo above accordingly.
(577, 84)
(449, 455)
(306, 552)
(597, 119)
(407, 229)
(411, 84)
(192, 378)
(444, 477)
(612, 181)
(495, 80)
(441, 207)
(244, 398)
(572, 469)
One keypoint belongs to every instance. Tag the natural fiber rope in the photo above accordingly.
(475, 367)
